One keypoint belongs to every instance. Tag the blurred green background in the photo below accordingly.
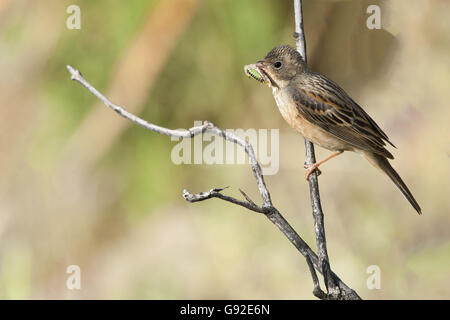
(80, 185)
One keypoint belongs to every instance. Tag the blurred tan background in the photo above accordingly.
(80, 185)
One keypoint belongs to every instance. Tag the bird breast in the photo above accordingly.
(313, 133)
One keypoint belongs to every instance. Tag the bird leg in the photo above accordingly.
(315, 166)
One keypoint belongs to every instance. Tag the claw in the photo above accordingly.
(310, 168)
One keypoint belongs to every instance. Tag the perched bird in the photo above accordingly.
(323, 112)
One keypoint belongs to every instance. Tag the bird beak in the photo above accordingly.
(262, 67)
(257, 72)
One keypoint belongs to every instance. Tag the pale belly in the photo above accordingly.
(311, 132)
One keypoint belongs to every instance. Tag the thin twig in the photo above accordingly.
(277, 219)
(190, 133)
(319, 226)
(215, 193)
(317, 291)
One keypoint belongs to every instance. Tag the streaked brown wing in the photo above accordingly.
(326, 105)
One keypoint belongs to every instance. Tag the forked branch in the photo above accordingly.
(265, 208)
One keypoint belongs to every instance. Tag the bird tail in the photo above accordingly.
(383, 164)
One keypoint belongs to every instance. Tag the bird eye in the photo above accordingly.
(278, 64)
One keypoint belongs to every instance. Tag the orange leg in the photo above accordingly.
(311, 167)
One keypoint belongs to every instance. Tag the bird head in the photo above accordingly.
(279, 66)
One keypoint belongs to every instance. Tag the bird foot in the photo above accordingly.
(310, 168)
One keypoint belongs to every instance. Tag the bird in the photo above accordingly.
(323, 113)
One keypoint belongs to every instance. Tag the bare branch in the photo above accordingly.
(76, 75)
(215, 193)
(317, 291)
(319, 225)
(266, 208)
(246, 197)
(206, 127)
(299, 34)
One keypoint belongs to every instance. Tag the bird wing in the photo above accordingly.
(325, 104)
